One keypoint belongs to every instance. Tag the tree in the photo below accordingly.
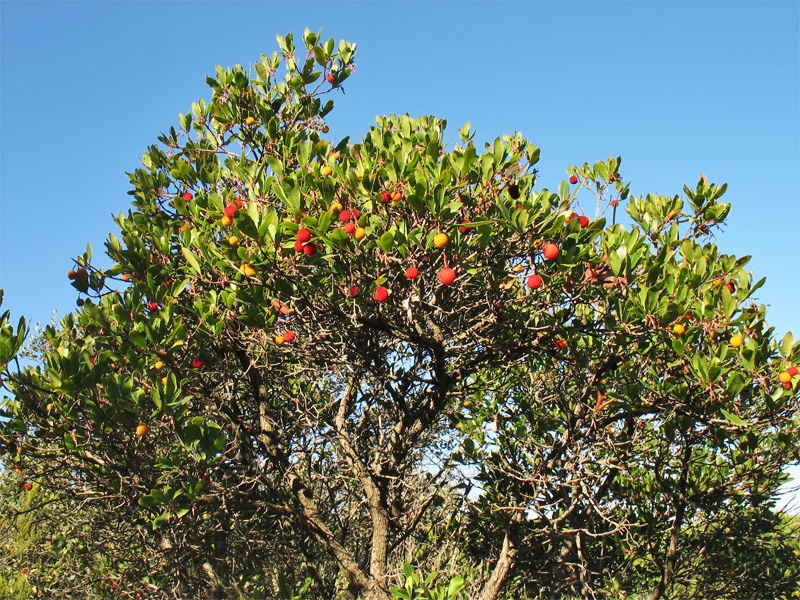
(325, 360)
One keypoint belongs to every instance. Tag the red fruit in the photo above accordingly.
(349, 227)
(353, 291)
(329, 78)
(381, 294)
(28, 486)
(230, 210)
(463, 229)
(560, 344)
(786, 386)
(792, 371)
(303, 235)
(573, 180)
(584, 221)
(197, 363)
(447, 276)
(298, 246)
(187, 196)
(355, 213)
(730, 287)
(412, 272)
(113, 586)
(385, 197)
(550, 251)
(534, 281)
(310, 249)
(614, 203)
(153, 306)
(289, 336)
(344, 216)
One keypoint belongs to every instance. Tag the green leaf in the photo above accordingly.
(191, 259)
(734, 419)
(787, 344)
(386, 241)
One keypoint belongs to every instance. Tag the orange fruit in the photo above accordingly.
(141, 430)
(679, 329)
(440, 240)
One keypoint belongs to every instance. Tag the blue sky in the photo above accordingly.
(676, 88)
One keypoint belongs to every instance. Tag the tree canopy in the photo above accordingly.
(360, 365)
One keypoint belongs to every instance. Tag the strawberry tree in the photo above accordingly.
(319, 350)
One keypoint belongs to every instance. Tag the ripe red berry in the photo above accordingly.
(786, 386)
(349, 227)
(197, 363)
(28, 486)
(447, 276)
(614, 203)
(329, 78)
(310, 249)
(230, 210)
(573, 180)
(534, 281)
(584, 221)
(385, 197)
(303, 235)
(187, 196)
(559, 344)
(344, 216)
(355, 213)
(153, 306)
(792, 371)
(381, 294)
(462, 228)
(298, 246)
(412, 272)
(730, 287)
(550, 251)
(289, 336)
(353, 291)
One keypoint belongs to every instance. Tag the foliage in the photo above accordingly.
(291, 375)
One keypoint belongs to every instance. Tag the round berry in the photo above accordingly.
(349, 227)
(550, 251)
(310, 249)
(381, 294)
(573, 180)
(412, 272)
(447, 276)
(344, 216)
(303, 235)
(289, 336)
(534, 281)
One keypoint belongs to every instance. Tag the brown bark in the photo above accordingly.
(493, 586)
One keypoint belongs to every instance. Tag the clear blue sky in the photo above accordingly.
(676, 88)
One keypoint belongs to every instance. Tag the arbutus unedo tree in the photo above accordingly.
(322, 360)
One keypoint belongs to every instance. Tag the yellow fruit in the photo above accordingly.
(247, 269)
(336, 208)
(358, 174)
(141, 430)
(784, 377)
(280, 340)
(226, 221)
(249, 121)
(517, 268)
(326, 170)
(163, 381)
(334, 156)
(359, 233)
(159, 364)
(679, 329)
(49, 407)
(717, 281)
(538, 244)
(440, 240)
(233, 240)
(736, 341)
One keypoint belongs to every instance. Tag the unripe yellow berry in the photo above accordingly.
(679, 329)
(359, 233)
(736, 341)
